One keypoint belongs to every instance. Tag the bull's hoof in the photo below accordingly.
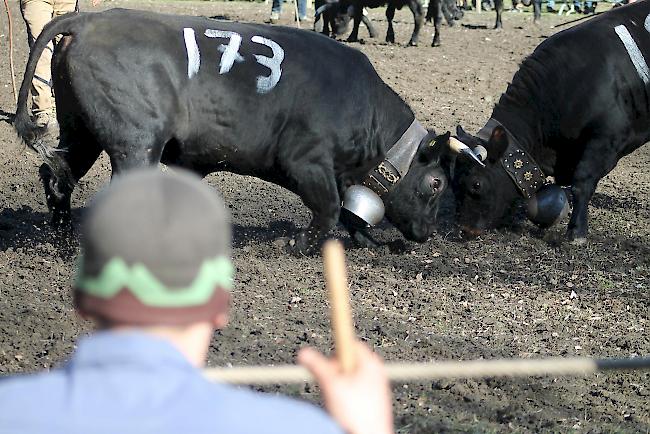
(498, 27)
(390, 39)
(412, 43)
(300, 245)
(579, 242)
(435, 43)
(352, 39)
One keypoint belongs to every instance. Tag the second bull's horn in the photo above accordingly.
(461, 148)
(481, 152)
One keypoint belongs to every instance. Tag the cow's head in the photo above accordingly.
(412, 205)
(484, 195)
(338, 13)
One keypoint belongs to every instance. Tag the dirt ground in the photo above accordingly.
(514, 293)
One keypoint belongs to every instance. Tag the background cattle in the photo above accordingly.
(570, 113)
(208, 95)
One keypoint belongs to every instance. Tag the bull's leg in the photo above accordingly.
(316, 185)
(586, 177)
(371, 29)
(418, 17)
(498, 5)
(354, 36)
(437, 18)
(390, 14)
(77, 152)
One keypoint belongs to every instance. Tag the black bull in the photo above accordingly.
(576, 106)
(271, 102)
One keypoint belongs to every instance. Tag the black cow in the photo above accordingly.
(336, 16)
(537, 10)
(571, 112)
(391, 5)
(436, 10)
(276, 103)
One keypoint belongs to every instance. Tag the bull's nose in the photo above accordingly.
(470, 232)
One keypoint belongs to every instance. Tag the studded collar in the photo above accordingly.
(520, 166)
(384, 177)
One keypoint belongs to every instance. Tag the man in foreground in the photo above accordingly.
(154, 278)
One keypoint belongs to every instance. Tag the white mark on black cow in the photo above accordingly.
(633, 50)
(193, 54)
(230, 54)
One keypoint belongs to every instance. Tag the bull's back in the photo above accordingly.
(230, 85)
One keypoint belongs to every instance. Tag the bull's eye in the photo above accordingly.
(476, 186)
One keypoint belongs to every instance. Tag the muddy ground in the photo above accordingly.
(514, 293)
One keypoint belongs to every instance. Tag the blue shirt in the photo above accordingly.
(122, 383)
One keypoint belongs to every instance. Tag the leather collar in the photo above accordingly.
(520, 166)
(384, 177)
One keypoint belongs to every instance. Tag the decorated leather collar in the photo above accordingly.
(520, 166)
(383, 178)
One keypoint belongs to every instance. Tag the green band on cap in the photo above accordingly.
(117, 275)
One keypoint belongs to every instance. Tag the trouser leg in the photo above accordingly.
(37, 13)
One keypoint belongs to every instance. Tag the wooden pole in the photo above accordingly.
(337, 287)
(295, 10)
(428, 371)
(11, 51)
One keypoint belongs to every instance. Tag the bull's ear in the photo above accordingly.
(498, 144)
(432, 149)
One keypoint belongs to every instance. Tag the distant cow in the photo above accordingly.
(335, 16)
(537, 10)
(354, 8)
(271, 102)
(571, 112)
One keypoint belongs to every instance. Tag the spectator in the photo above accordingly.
(154, 278)
(276, 10)
(37, 13)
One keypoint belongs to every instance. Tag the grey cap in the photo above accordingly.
(170, 222)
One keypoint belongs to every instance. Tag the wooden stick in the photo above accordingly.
(428, 371)
(11, 51)
(337, 287)
(295, 10)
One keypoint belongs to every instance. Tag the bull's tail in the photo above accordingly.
(28, 131)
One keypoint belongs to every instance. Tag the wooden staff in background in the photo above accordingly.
(11, 50)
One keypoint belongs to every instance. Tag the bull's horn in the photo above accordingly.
(480, 152)
(461, 148)
(323, 8)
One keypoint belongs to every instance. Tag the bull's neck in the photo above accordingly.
(525, 109)
(526, 125)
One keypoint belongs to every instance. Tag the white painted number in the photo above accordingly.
(633, 50)
(193, 55)
(230, 54)
(265, 84)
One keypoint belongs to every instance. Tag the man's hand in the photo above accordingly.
(361, 401)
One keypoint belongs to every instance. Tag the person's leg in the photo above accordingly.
(37, 13)
(276, 10)
(302, 10)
